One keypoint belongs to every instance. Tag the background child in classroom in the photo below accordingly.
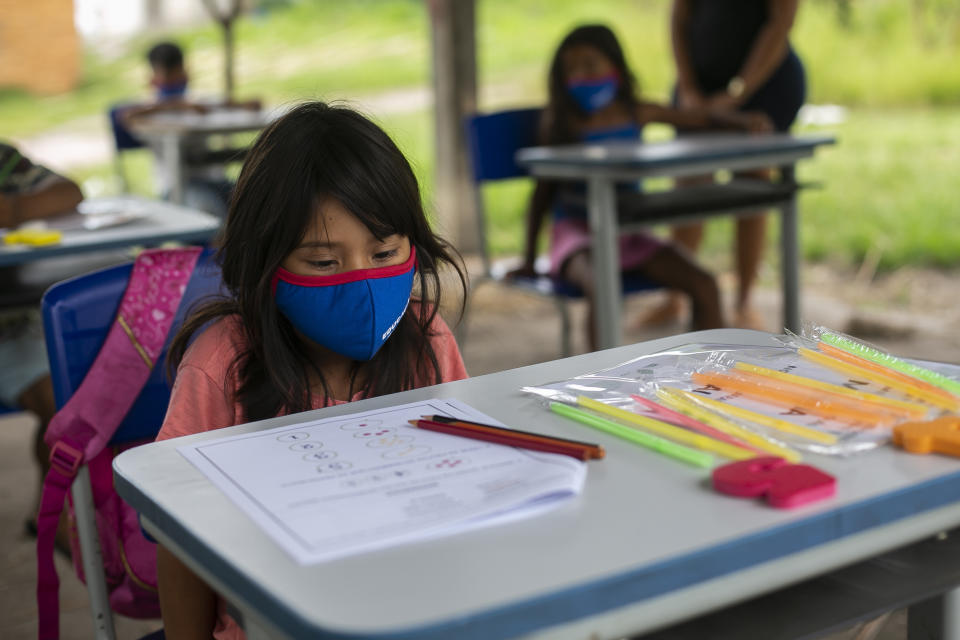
(332, 274)
(208, 187)
(29, 192)
(592, 97)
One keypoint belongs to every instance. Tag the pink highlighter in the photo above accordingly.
(682, 420)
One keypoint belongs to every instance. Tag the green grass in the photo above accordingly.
(888, 183)
(893, 53)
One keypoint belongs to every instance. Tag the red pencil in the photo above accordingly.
(579, 453)
(595, 448)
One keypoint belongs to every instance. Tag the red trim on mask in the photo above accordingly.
(346, 276)
(593, 82)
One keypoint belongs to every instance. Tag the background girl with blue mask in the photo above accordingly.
(593, 97)
(331, 275)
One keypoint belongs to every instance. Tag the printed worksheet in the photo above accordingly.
(329, 488)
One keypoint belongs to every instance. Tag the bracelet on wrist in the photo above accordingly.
(736, 87)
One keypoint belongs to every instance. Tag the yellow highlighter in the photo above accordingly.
(667, 430)
(675, 399)
(33, 237)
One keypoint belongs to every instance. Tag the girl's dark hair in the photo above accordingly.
(315, 152)
(563, 112)
(165, 55)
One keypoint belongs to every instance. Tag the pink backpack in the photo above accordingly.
(79, 433)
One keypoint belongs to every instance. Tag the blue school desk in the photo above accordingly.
(601, 166)
(646, 545)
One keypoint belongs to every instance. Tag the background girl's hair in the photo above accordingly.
(562, 112)
(315, 152)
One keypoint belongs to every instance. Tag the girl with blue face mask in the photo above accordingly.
(592, 98)
(331, 274)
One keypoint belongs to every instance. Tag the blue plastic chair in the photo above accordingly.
(77, 314)
(123, 140)
(493, 141)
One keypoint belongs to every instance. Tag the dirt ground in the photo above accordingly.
(913, 312)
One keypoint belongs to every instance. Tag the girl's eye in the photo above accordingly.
(322, 264)
(385, 255)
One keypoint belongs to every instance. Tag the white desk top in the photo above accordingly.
(160, 222)
(646, 544)
(214, 121)
(671, 157)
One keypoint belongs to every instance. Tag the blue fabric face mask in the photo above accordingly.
(172, 90)
(596, 93)
(351, 313)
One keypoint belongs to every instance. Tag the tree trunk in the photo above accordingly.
(228, 60)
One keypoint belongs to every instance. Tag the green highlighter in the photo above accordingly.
(893, 362)
(660, 445)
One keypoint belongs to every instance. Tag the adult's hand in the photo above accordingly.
(722, 101)
(752, 121)
(757, 122)
(690, 98)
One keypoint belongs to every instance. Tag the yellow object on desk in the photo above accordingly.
(33, 237)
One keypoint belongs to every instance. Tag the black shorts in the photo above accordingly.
(780, 97)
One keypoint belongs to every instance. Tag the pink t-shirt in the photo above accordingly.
(203, 398)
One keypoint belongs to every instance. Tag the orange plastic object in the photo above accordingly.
(940, 436)
(806, 399)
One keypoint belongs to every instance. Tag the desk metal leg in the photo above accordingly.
(602, 210)
(92, 556)
(173, 166)
(790, 264)
(935, 619)
(951, 615)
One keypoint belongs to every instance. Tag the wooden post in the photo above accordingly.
(455, 95)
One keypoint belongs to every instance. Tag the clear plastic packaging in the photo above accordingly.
(805, 407)
(874, 354)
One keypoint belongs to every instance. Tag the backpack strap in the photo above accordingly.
(85, 424)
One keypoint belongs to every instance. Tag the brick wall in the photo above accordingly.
(39, 48)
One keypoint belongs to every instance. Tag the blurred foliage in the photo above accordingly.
(889, 183)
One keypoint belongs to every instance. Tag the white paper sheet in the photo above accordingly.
(330, 488)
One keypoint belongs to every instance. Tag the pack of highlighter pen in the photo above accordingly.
(937, 375)
(796, 402)
(661, 387)
(784, 396)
